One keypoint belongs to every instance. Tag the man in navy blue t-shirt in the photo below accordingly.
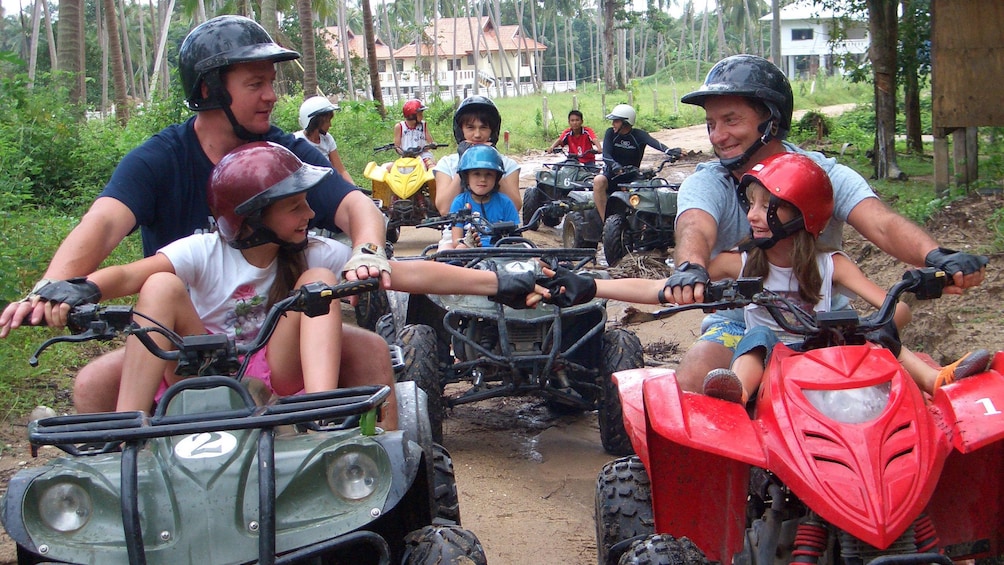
(227, 66)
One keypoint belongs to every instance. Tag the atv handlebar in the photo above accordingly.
(820, 329)
(197, 353)
(411, 151)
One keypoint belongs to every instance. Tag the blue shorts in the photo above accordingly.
(758, 337)
(723, 330)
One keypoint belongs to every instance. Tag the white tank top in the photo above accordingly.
(782, 281)
(411, 138)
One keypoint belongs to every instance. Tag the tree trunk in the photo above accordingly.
(308, 51)
(609, 9)
(49, 34)
(118, 66)
(36, 16)
(911, 82)
(537, 71)
(393, 65)
(775, 34)
(126, 49)
(71, 50)
(882, 24)
(161, 47)
(346, 56)
(371, 57)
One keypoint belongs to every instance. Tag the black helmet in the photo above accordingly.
(218, 43)
(753, 77)
(480, 105)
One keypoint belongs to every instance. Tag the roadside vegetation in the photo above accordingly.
(52, 167)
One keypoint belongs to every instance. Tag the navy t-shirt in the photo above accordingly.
(163, 182)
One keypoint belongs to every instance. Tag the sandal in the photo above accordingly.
(970, 364)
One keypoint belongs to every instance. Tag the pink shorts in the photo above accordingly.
(257, 369)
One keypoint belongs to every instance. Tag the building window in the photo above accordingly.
(524, 59)
(426, 66)
(801, 34)
(381, 66)
(470, 59)
(399, 65)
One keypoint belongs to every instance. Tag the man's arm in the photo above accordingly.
(903, 239)
(509, 186)
(364, 223)
(102, 228)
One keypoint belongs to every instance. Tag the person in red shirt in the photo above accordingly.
(579, 139)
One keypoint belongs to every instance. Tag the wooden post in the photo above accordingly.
(940, 163)
(575, 101)
(655, 102)
(959, 157)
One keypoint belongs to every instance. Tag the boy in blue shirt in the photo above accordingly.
(480, 170)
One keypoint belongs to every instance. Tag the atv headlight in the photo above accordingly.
(65, 507)
(851, 406)
(634, 200)
(353, 475)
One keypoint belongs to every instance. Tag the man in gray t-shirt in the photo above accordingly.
(748, 105)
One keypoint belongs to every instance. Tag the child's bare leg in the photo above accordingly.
(749, 369)
(923, 374)
(366, 361)
(929, 378)
(307, 352)
(165, 299)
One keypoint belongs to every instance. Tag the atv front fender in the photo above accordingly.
(697, 451)
(618, 203)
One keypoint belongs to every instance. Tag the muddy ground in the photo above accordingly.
(526, 477)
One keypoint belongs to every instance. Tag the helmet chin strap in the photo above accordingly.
(218, 92)
(262, 235)
(239, 130)
(778, 232)
(768, 129)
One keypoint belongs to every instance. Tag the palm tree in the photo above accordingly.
(308, 53)
(371, 58)
(71, 49)
(118, 66)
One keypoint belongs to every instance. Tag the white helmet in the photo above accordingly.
(313, 106)
(623, 112)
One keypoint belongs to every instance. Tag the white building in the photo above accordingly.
(805, 40)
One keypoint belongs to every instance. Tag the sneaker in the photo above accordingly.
(723, 384)
(970, 364)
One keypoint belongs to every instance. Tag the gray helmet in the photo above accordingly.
(218, 43)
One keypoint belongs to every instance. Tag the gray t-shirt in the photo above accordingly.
(713, 189)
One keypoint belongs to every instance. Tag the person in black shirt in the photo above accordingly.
(623, 145)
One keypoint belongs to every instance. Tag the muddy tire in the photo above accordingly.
(440, 545)
(418, 345)
(614, 229)
(623, 505)
(622, 350)
(571, 233)
(533, 198)
(371, 306)
(446, 499)
(663, 549)
(387, 329)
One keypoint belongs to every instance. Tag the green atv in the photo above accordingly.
(214, 477)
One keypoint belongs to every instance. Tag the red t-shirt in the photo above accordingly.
(579, 144)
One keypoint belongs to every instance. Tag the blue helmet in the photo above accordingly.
(480, 157)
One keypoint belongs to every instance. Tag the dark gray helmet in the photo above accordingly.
(480, 105)
(218, 43)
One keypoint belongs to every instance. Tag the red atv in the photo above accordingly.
(841, 459)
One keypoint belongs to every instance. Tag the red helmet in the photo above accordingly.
(797, 180)
(250, 178)
(412, 108)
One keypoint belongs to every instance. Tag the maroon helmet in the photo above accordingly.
(250, 178)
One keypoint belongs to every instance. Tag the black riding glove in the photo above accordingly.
(74, 292)
(579, 289)
(463, 146)
(513, 288)
(687, 274)
(887, 336)
(952, 261)
(674, 153)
